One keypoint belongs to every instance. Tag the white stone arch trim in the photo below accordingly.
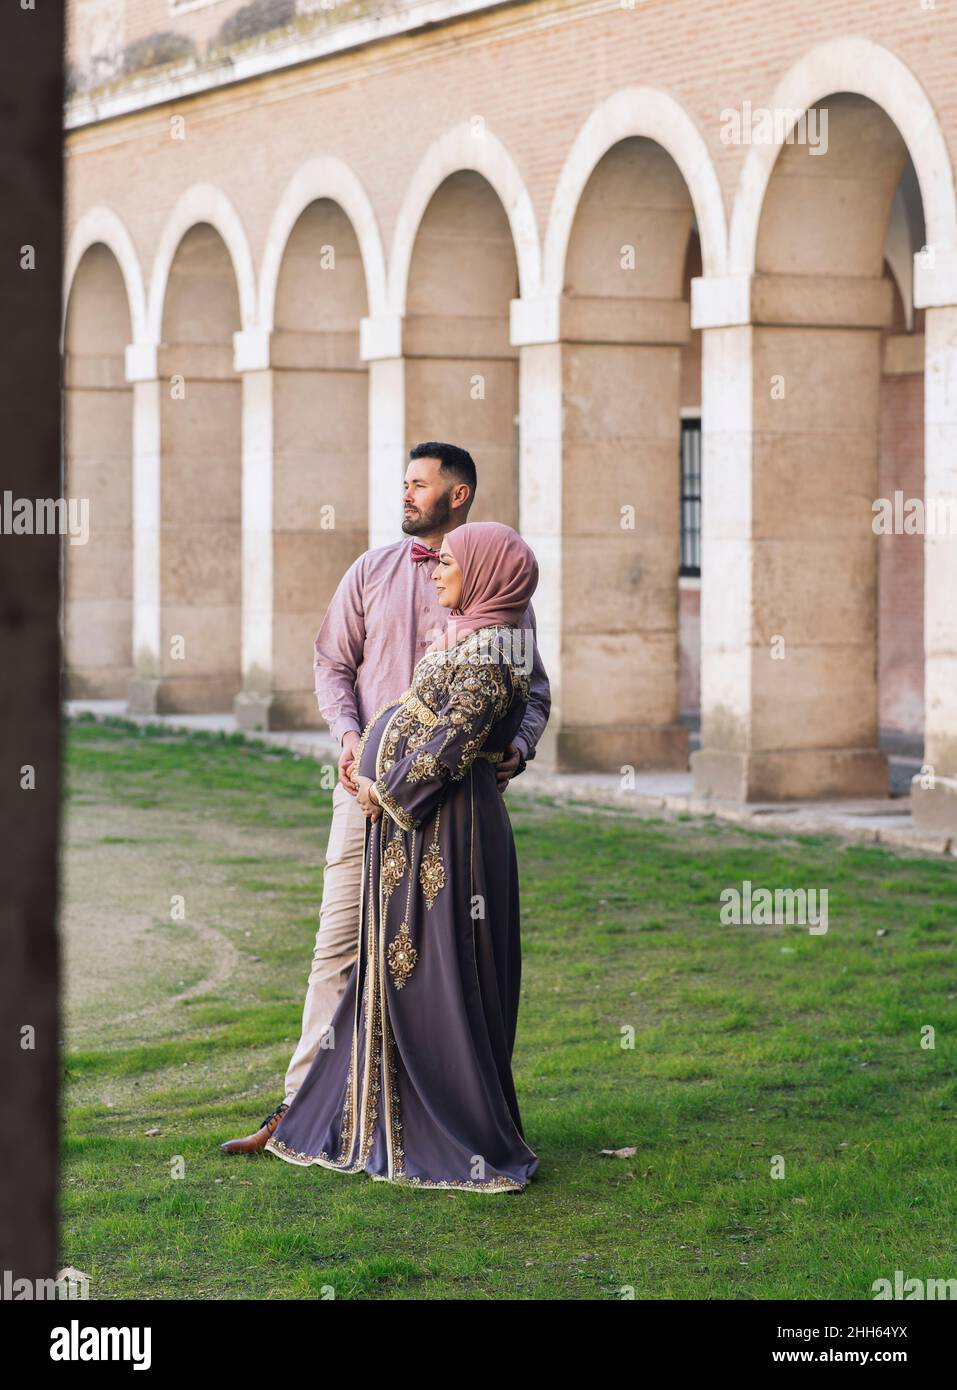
(867, 69)
(202, 203)
(323, 177)
(458, 149)
(654, 115)
(103, 225)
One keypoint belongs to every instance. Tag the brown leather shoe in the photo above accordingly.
(255, 1143)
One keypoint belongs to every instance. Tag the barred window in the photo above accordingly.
(691, 497)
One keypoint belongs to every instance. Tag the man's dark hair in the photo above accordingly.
(456, 463)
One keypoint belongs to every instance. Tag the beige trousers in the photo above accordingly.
(337, 940)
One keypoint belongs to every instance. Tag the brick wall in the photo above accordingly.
(534, 72)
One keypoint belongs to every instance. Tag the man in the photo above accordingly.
(381, 619)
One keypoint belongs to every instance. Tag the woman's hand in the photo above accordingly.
(370, 809)
(347, 762)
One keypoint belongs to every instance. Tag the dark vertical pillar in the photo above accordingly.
(31, 216)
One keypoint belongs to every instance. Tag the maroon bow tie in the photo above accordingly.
(422, 552)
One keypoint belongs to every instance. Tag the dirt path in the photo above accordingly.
(126, 961)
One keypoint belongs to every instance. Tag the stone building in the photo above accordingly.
(681, 274)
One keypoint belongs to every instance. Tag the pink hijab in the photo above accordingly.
(499, 576)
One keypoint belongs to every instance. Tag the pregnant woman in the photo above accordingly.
(416, 1084)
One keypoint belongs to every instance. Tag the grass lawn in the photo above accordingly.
(751, 1044)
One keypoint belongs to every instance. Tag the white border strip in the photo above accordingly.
(85, 110)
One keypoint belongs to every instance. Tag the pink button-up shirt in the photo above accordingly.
(379, 622)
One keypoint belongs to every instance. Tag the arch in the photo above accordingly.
(324, 177)
(96, 443)
(648, 113)
(866, 69)
(319, 399)
(458, 149)
(202, 203)
(102, 225)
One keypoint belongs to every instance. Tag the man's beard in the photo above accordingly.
(423, 522)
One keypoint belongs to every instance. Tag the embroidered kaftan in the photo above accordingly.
(417, 1085)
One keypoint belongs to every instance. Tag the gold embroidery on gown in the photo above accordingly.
(394, 864)
(432, 870)
(402, 954)
(402, 957)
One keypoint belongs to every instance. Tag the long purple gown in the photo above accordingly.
(416, 1087)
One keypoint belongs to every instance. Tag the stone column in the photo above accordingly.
(934, 792)
(791, 381)
(201, 407)
(141, 371)
(901, 556)
(254, 704)
(534, 326)
(726, 545)
(305, 508)
(98, 575)
(606, 397)
(380, 341)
